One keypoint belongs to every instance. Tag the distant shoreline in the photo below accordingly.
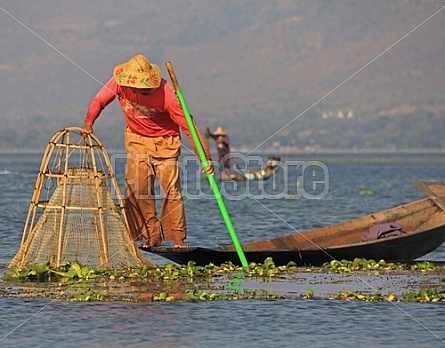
(277, 151)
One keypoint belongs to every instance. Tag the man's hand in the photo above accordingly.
(210, 169)
(87, 129)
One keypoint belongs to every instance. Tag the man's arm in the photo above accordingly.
(104, 97)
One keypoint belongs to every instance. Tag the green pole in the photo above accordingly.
(205, 164)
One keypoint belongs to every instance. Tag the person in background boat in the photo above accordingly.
(153, 118)
(223, 148)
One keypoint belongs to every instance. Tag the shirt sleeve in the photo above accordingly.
(104, 97)
(174, 109)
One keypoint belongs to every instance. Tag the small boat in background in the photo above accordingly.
(272, 166)
(423, 223)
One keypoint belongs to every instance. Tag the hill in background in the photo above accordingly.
(344, 74)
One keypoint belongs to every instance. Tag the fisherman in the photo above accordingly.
(153, 118)
(223, 148)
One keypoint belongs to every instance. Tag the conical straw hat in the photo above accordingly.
(220, 131)
(138, 72)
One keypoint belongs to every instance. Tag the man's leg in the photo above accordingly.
(140, 202)
(172, 211)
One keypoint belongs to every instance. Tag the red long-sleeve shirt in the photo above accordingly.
(158, 114)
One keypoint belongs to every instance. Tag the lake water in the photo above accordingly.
(333, 188)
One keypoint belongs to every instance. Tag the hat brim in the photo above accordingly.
(125, 77)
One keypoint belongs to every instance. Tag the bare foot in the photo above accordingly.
(181, 245)
(148, 244)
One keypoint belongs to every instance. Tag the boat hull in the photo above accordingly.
(392, 249)
(423, 222)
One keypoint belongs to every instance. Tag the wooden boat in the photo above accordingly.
(423, 221)
(260, 174)
(272, 166)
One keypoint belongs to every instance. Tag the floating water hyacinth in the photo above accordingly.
(366, 192)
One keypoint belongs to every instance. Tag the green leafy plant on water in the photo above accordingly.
(309, 293)
(74, 272)
(88, 295)
(37, 272)
(197, 295)
(424, 295)
(366, 192)
(43, 272)
(358, 264)
(424, 266)
(351, 295)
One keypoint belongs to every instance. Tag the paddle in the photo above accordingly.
(205, 164)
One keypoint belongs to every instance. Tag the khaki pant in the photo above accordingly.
(150, 158)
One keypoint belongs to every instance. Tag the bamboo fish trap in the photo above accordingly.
(73, 215)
